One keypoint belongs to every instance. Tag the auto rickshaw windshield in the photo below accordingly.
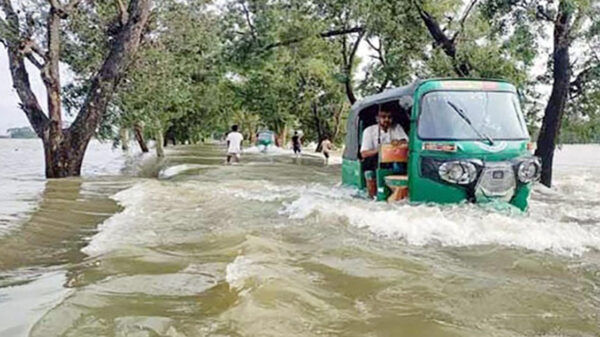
(494, 114)
(265, 136)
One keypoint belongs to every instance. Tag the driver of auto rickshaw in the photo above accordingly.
(384, 132)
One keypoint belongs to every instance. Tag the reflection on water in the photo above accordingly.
(275, 247)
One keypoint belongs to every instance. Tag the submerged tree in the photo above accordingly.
(34, 33)
(574, 26)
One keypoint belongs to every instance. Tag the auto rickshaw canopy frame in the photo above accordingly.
(366, 108)
(353, 124)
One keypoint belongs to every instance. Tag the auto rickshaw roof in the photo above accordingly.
(385, 96)
(392, 94)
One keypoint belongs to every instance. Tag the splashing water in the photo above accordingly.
(274, 246)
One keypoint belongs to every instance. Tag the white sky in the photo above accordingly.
(10, 114)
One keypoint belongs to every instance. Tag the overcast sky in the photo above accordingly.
(10, 114)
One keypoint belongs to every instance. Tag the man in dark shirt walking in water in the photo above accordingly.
(296, 144)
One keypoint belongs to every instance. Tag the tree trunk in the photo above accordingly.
(65, 148)
(170, 135)
(124, 136)
(160, 149)
(63, 157)
(283, 136)
(318, 126)
(337, 118)
(138, 130)
(348, 62)
(554, 111)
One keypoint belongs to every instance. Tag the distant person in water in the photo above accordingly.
(325, 148)
(296, 144)
(234, 144)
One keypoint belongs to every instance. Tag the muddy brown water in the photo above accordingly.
(275, 247)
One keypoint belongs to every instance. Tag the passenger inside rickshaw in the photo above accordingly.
(384, 142)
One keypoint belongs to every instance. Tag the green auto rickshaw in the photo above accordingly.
(265, 138)
(468, 141)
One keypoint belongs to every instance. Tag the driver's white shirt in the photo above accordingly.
(374, 135)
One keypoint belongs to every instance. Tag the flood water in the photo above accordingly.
(275, 247)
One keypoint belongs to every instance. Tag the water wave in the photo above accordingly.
(557, 222)
(271, 149)
(464, 224)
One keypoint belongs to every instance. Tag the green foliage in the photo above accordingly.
(267, 63)
(177, 80)
(523, 23)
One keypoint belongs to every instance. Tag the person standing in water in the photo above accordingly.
(326, 147)
(234, 144)
(296, 145)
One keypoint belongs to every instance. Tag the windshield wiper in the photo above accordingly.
(462, 115)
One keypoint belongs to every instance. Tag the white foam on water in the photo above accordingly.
(333, 158)
(154, 213)
(271, 149)
(564, 224)
(582, 185)
(177, 169)
(563, 220)
(265, 191)
(457, 225)
(239, 270)
(164, 212)
(259, 196)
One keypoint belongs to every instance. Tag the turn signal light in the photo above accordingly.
(531, 147)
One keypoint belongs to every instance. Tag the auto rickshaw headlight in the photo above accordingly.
(529, 170)
(458, 172)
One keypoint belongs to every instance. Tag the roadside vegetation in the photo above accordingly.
(183, 71)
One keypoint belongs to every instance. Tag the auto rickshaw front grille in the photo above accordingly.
(497, 180)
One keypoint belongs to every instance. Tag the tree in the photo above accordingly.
(572, 22)
(398, 45)
(64, 148)
(176, 84)
(561, 75)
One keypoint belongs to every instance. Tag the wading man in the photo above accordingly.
(234, 144)
(297, 144)
(326, 147)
